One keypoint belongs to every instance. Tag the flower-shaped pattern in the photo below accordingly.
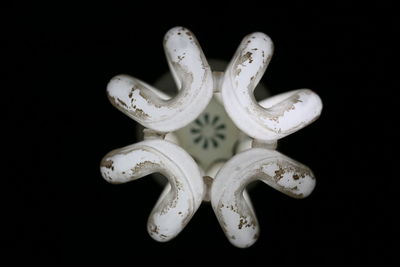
(265, 122)
(208, 131)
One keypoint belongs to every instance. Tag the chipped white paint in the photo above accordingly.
(152, 108)
(233, 211)
(271, 119)
(252, 137)
(182, 195)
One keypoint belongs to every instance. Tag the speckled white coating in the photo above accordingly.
(234, 212)
(181, 197)
(153, 109)
(262, 124)
(274, 118)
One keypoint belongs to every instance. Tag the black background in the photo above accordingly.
(59, 210)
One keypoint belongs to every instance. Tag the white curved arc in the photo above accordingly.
(290, 112)
(181, 197)
(234, 212)
(153, 109)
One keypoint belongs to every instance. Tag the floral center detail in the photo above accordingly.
(208, 131)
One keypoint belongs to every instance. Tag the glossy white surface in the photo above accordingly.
(252, 130)
(273, 118)
(181, 197)
(234, 212)
(152, 108)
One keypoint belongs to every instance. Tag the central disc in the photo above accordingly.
(211, 138)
